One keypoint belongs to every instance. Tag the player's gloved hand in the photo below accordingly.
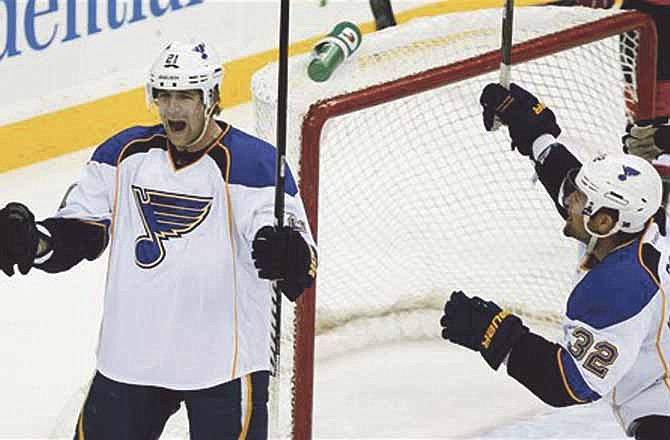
(522, 113)
(647, 139)
(481, 326)
(19, 238)
(282, 254)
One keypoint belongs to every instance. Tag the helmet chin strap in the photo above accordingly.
(208, 117)
(595, 236)
(591, 245)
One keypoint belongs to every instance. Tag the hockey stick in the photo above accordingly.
(505, 51)
(506, 58)
(280, 175)
(506, 44)
(382, 11)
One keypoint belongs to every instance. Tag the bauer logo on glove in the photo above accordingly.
(481, 326)
(493, 328)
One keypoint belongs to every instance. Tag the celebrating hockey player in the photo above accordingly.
(616, 340)
(187, 209)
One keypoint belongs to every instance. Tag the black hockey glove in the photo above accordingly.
(283, 255)
(647, 139)
(481, 326)
(19, 238)
(522, 113)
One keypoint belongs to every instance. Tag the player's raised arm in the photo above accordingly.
(80, 227)
(54, 244)
(485, 327)
(533, 131)
(615, 322)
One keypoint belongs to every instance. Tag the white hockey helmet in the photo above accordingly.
(186, 66)
(627, 184)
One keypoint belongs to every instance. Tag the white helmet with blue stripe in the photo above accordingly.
(627, 184)
(186, 66)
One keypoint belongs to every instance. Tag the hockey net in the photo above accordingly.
(408, 196)
(412, 199)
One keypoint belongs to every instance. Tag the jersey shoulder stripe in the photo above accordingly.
(614, 291)
(253, 162)
(109, 151)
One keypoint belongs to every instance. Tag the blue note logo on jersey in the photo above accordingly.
(165, 215)
(628, 172)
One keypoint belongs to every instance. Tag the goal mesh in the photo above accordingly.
(410, 196)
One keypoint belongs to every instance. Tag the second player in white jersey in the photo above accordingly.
(616, 339)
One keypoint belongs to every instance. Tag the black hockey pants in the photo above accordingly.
(232, 410)
(653, 428)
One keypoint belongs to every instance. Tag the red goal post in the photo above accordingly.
(327, 109)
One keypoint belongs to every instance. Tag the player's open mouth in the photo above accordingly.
(176, 126)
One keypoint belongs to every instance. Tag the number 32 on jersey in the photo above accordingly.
(599, 356)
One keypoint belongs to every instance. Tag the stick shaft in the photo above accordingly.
(506, 44)
(280, 172)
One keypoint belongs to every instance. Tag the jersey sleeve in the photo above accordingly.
(602, 336)
(608, 316)
(553, 161)
(80, 227)
(538, 365)
(91, 198)
(594, 360)
(253, 175)
(586, 364)
(607, 319)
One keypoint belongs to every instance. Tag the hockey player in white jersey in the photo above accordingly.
(616, 340)
(187, 208)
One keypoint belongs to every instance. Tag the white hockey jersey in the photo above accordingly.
(616, 337)
(184, 307)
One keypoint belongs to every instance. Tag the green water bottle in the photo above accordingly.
(336, 47)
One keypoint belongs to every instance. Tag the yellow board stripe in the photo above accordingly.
(47, 136)
(565, 379)
(85, 125)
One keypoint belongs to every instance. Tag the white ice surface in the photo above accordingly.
(431, 389)
(426, 389)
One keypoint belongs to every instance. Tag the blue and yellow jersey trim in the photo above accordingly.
(559, 353)
(661, 324)
(603, 298)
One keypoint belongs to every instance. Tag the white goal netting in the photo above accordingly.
(415, 198)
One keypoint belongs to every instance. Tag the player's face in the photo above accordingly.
(574, 223)
(182, 114)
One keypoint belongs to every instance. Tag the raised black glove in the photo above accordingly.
(647, 139)
(481, 326)
(522, 113)
(282, 254)
(19, 238)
